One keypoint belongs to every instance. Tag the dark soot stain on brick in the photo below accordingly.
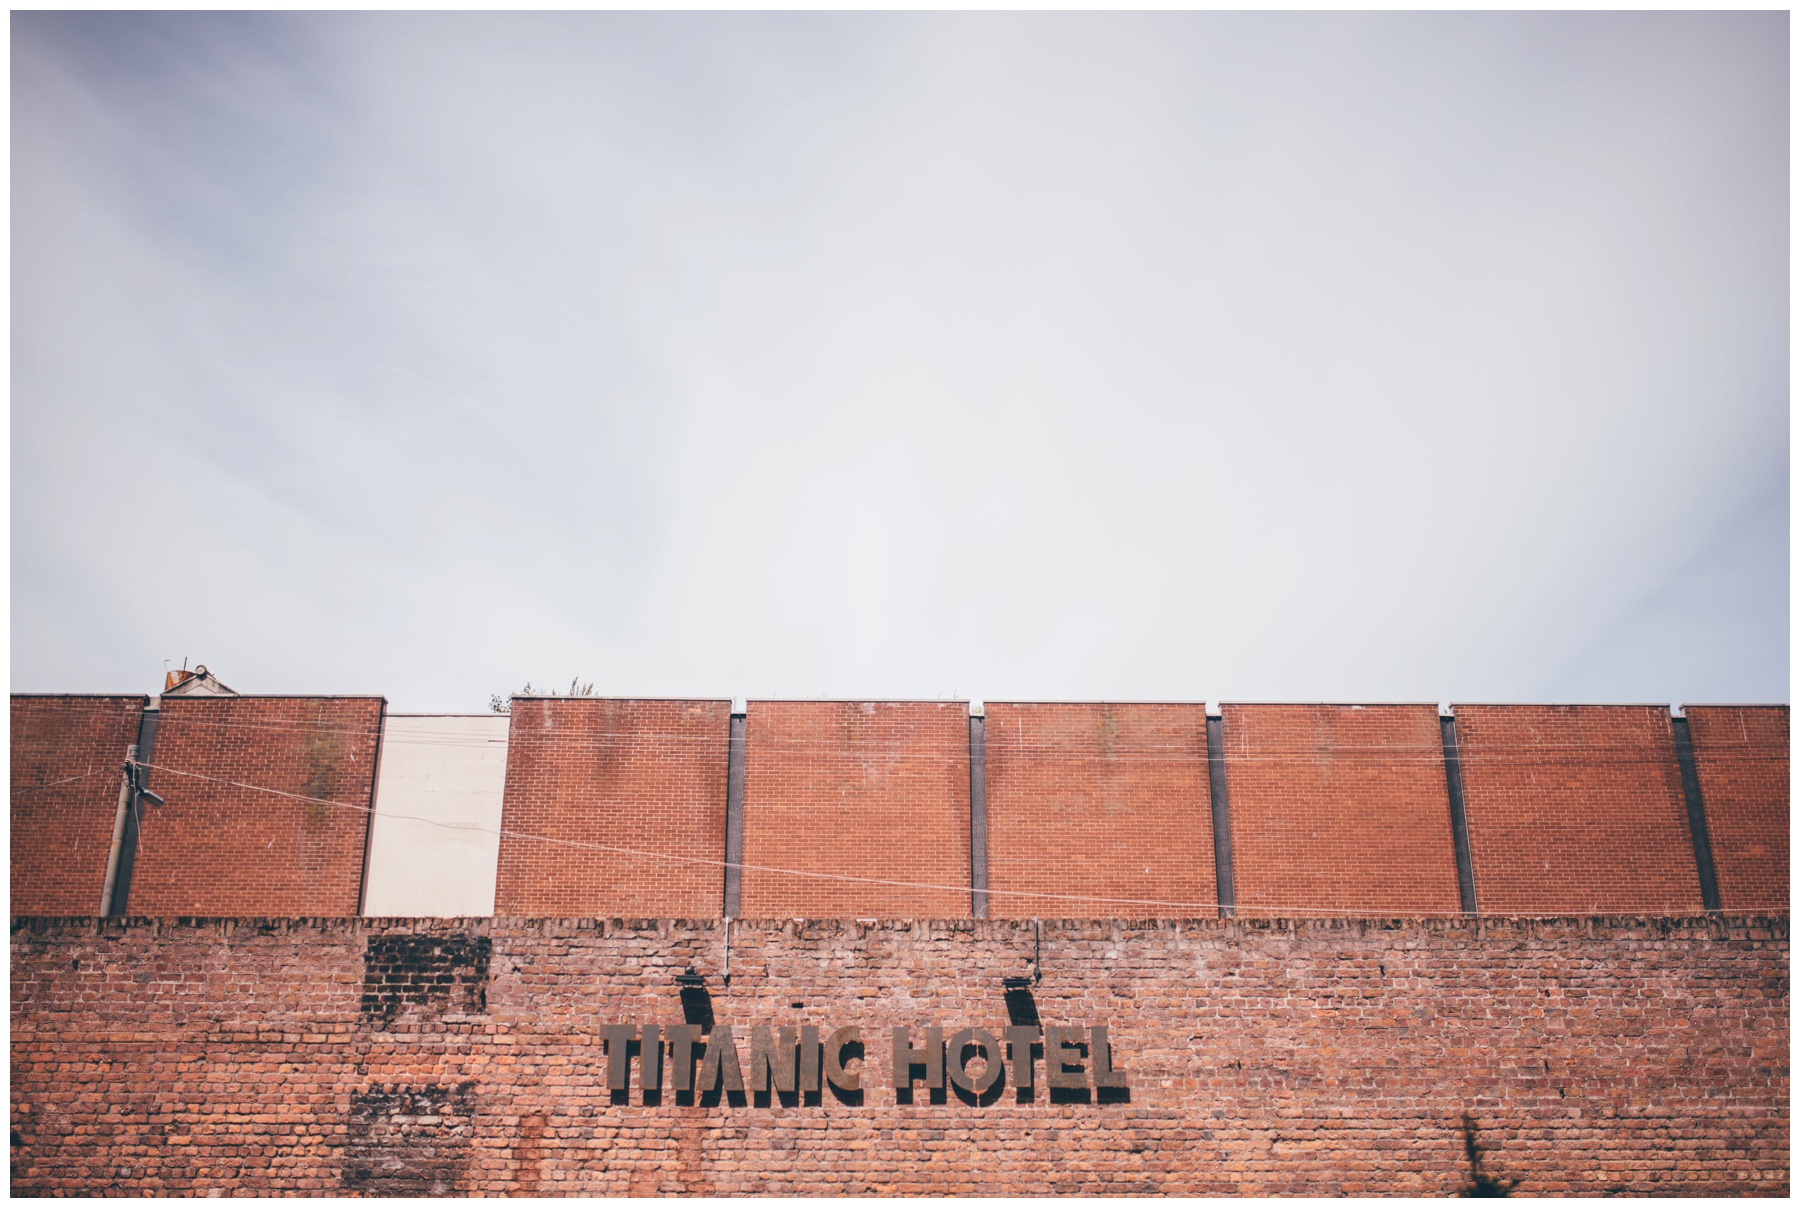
(432, 974)
(409, 1140)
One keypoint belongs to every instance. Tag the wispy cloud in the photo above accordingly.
(1168, 356)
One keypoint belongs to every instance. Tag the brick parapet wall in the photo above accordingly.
(596, 780)
(1339, 809)
(1574, 808)
(1104, 800)
(1580, 1056)
(876, 791)
(222, 845)
(1741, 759)
(618, 807)
(68, 760)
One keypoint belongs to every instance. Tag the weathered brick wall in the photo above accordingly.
(218, 848)
(1334, 809)
(876, 790)
(1339, 808)
(1579, 1056)
(1741, 758)
(1575, 808)
(1103, 800)
(68, 753)
(638, 775)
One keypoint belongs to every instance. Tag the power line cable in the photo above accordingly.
(806, 873)
(66, 780)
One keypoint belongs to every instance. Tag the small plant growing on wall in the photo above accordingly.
(503, 704)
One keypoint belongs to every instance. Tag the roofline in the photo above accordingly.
(495, 716)
(81, 695)
(858, 700)
(1731, 705)
(270, 696)
(910, 700)
(1594, 704)
(564, 696)
(1336, 704)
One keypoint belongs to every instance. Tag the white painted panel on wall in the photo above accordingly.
(434, 848)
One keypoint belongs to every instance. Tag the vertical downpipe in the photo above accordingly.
(125, 833)
(1221, 811)
(1696, 812)
(978, 825)
(362, 887)
(734, 816)
(134, 820)
(1459, 818)
(109, 890)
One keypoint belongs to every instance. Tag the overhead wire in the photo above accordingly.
(1239, 748)
(885, 731)
(1241, 909)
(65, 780)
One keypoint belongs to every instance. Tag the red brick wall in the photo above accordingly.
(1590, 1057)
(1339, 808)
(1099, 800)
(876, 790)
(1575, 808)
(68, 753)
(1741, 757)
(1334, 809)
(218, 849)
(643, 775)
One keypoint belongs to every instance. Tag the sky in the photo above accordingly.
(1133, 357)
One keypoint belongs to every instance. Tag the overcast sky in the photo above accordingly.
(1049, 357)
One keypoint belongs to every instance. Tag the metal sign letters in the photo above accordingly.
(807, 1060)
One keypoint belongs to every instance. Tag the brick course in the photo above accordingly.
(1105, 800)
(220, 849)
(68, 756)
(1343, 1057)
(1575, 808)
(1741, 758)
(862, 789)
(642, 775)
(1339, 808)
